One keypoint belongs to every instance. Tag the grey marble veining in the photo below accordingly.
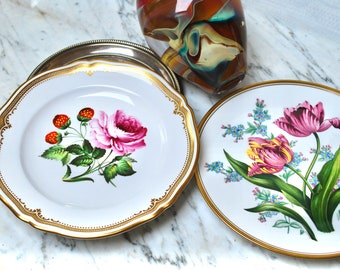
(297, 40)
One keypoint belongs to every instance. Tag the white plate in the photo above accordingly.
(116, 199)
(221, 177)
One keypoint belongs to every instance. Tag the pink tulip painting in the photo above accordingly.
(269, 156)
(304, 120)
(273, 165)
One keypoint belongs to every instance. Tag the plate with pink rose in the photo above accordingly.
(85, 149)
(269, 166)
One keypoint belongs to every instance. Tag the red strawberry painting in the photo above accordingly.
(53, 137)
(85, 114)
(61, 121)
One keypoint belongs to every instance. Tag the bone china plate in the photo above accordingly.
(94, 149)
(269, 166)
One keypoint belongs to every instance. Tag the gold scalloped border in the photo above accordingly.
(36, 218)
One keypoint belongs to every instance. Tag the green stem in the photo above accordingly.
(83, 126)
(91, 169)
(288, 221)
(77, 132)
(317, 152)
(113, 184)
(301, 176)
(100, 166)
(79, 177)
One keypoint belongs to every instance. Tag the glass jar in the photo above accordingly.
(202, 41)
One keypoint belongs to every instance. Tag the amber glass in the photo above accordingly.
(203, 41)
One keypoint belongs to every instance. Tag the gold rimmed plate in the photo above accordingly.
(95, 148)
(118, 51)
(269, 166)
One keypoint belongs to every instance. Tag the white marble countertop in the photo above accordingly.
(292, 39)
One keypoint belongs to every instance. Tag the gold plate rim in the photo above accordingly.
(210, 203)
(108, 50)
(35, 217)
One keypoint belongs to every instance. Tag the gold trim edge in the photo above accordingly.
(114, 42)
(209, 201)
(35, 217)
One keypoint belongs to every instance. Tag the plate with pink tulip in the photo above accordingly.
(269, 166)
(85, 149)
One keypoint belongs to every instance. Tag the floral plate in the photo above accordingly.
(269, 166)
(94, 149)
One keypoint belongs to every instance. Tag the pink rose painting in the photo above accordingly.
(118, 132)
(107, 151)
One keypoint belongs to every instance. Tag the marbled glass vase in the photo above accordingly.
(203, 41)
